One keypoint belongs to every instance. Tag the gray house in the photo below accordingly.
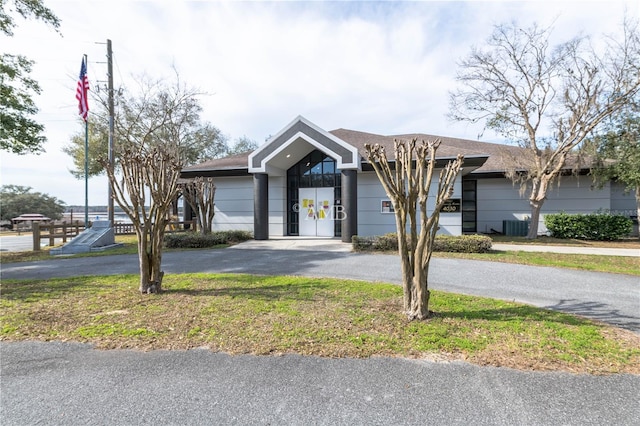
(308, 182)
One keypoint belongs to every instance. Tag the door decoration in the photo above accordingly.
(308, 204)
(323, 213)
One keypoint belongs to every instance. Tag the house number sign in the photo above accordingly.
(452, 205)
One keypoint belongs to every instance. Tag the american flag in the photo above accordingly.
(81, 91)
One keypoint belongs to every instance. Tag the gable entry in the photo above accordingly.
(286, 149)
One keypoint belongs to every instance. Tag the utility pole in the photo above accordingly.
(111, 118)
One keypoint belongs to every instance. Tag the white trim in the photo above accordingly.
(345, 145)
(339, 164)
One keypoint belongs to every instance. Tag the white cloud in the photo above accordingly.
(381, 67)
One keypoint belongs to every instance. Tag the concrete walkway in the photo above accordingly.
(568, 249)
(296, 243)
(336, 245)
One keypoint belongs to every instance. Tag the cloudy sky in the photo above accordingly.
(379, 67)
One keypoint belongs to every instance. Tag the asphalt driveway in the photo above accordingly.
(67, 383)
(612, 298)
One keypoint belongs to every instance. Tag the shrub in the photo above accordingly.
(386, 242)
(236, 236)
(442, 243)
(362, 243)
(198, 240)
(595, 226)
(462, 243)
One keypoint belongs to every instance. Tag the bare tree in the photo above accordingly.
(548, 100)
(407, 183)
(152, 128)
(200, 192)
(152, 173)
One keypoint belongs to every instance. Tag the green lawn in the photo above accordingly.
(323, 317)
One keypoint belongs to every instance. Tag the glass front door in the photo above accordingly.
(315, 172)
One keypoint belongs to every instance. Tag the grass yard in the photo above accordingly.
(323, 317)
(586, 262)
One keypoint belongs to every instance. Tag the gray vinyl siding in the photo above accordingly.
(234, 203)
(277, 205)
(623, 202)
(498, 199)
(371, 221)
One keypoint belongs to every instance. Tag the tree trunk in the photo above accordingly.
(536, 200)
(150, 259)
(535, 220)
(405, 257)
(143, 261)
(420, 295)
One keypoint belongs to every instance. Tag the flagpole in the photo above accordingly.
(86, 165)
(110, 206)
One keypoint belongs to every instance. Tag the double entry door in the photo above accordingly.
(316, 212)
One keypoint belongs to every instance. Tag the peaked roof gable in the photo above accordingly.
(346, 155)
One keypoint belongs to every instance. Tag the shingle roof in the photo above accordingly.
(233, 162)
(449, 148)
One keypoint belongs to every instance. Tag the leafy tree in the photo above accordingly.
(198, 141)
(205, 143)
(548, 100)
(153, 129)
(243, 144)
(19, 133)
(408, 183)
(27, 9)
(98, 147)
(16, 200)
(617, 152)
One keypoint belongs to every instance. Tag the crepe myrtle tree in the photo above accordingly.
(152, 128)
(200, 192)
(546, 99)
(408, 183)
(147, 176)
